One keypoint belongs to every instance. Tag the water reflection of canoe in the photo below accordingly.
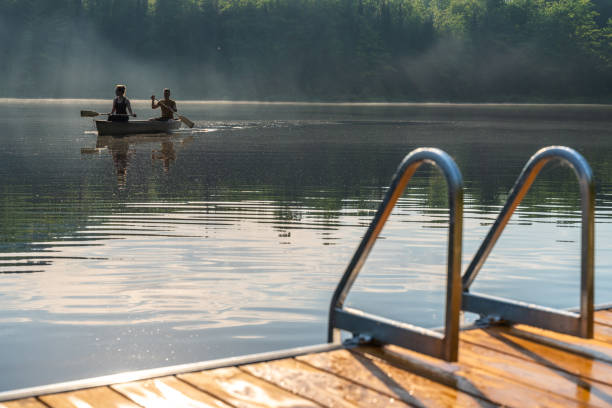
(136, 127)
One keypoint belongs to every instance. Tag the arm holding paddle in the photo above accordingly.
(91, 114)
(170, 108)
(156, 104)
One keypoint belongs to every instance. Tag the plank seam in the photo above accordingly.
(563, 346)
(579, 381)
(356, 383)
(520, 356)
(353, 382)
(280, 386)
(546, 364)
(204, 391)
(599, 322)
(124, 396)
(440, 375)
(43, 402)
(603, 322)
(401, 398)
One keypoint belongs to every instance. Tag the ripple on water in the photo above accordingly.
(230, 238)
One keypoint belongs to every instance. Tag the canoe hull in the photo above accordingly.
(135, 127)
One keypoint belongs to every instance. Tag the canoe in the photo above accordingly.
(133, 127)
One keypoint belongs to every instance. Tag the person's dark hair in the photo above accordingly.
(120, 89)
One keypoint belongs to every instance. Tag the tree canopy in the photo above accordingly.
(456, 50)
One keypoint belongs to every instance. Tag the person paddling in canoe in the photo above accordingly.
(167, 105)
(121, 106)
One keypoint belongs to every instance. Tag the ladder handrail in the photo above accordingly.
(446, 346)
(531, 170)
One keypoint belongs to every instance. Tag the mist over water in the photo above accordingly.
(397, 50)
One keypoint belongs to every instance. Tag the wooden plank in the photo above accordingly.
(94, 397)
(471, 380)
(587, 347)
(390, 380)
(167, 391)
(500, 339)
(318, 385)
(603, 317)
(603, 333)
(23, 403)
(533, 374)
(243, 390)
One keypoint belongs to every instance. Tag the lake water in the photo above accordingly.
(141, 252)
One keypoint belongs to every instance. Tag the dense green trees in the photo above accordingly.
(481, 50)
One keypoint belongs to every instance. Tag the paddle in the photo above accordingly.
(91, 114)
(183, 119)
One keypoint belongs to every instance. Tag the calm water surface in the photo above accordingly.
(130, 253)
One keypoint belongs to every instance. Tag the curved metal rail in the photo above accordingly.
(390, 331)
(520, 312)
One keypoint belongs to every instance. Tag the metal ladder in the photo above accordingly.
(519, 312)
(390, 331)
(445, 345)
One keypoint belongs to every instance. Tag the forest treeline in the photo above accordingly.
(397, 50)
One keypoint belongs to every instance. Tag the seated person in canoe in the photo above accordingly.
(121, 106)
(167, 105)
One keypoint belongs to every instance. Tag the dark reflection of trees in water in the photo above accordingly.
(322, 175)
(297, 168)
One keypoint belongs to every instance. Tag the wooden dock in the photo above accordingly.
(515, 366)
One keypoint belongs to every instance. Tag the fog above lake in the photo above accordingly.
(399, 50)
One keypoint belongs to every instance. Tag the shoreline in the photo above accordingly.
(313, 103)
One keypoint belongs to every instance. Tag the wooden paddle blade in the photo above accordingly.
(88, 113)
(186, 121)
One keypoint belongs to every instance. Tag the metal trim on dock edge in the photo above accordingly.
(163, 371)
